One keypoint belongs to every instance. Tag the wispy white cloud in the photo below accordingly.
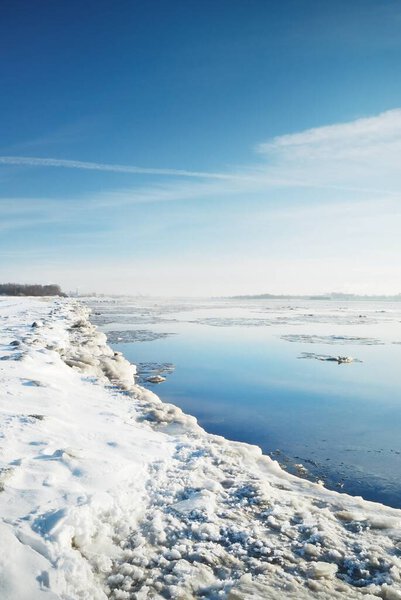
(363, 155)
(29, 161)
(28, 222)
(356, 161)
(25, 205)
(319, 210)
(342, 139)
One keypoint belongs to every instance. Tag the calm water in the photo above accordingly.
(242, 379)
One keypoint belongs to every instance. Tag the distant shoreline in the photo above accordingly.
(333, 297)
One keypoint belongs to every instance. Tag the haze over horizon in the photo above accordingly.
(189, 148)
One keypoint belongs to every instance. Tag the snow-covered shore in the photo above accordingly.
(106, 492)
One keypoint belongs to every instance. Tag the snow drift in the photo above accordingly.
(106, 492)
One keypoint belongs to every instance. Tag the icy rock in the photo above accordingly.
(116, 579)
(347, 515)
(120, 595)
(311, 550)
(203, 501)
(273, 523)
(172, 555)
(381, 522)
(323, 570)
(389, 592)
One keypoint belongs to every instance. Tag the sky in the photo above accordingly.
(182, 147)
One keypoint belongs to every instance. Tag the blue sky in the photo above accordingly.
(201, 147)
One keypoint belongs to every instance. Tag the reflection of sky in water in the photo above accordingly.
(247, 383)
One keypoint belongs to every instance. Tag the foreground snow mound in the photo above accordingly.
(106, 492)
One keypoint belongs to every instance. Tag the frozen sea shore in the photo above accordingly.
(106, 492)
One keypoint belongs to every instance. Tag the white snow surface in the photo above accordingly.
(106, 492)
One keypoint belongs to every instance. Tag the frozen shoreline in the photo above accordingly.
(108, 492)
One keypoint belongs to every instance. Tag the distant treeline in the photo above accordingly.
(22, 289)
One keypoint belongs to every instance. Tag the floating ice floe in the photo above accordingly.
(325, 357)
(331, 339)
(153, 372)
(135, 335)
(156, 379)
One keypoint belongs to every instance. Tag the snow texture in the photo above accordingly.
(106, 492)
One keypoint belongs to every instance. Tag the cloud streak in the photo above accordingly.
(353, 160)
(29, 161)
(257, 179)
(319, 210)
(362, 155)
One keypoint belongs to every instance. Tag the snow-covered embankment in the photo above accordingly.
(106, 492)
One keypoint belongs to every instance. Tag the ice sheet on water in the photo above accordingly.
(232, 322)
(331, 339)
(130, 319)
(135, 335)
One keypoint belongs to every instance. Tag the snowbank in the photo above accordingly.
(106, 492)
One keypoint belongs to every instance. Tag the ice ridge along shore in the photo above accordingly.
(107, 492)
